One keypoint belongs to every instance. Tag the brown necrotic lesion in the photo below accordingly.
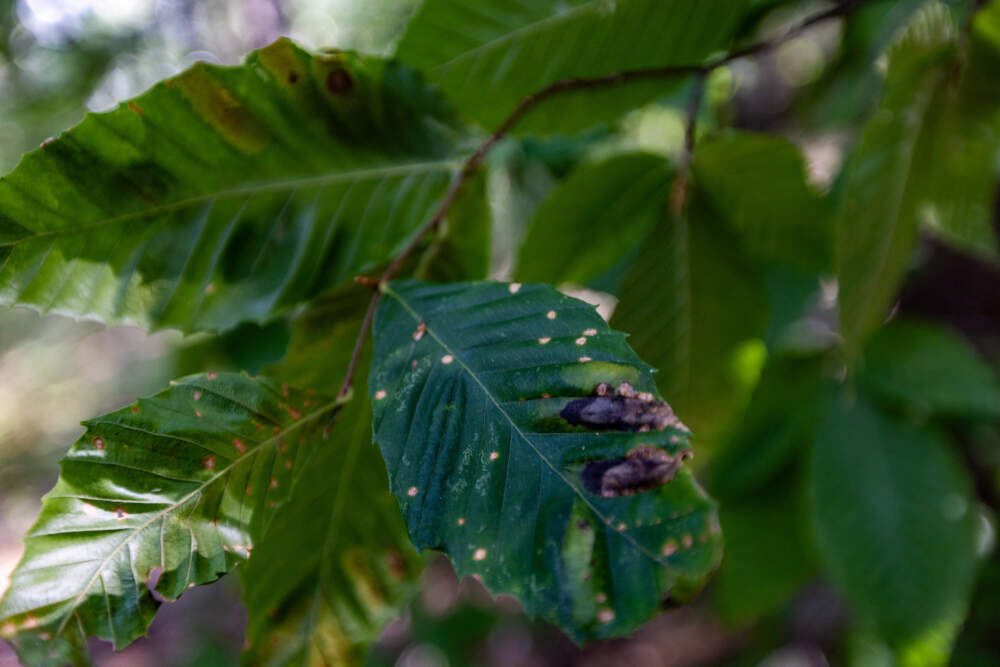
(623, 410)
(644, 467)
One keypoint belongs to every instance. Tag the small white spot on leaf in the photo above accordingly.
(380, 394)
(584, 360)
(590, 332)
(551, 314)
(581, 340)
(480, 554)
(447, 359)
(605, 616)
(514, 287)
(494, 456)
(544, 340)
(412, 491)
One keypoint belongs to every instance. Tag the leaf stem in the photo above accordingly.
(528, 103)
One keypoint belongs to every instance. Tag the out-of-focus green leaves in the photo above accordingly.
(758, 183)
(895, 520)
(786, 409)
(489, 54)
(471, 384)
(595, 216)
(960, 199)
(185, 483)
(227, 194)
(849, 89)
(460, 249)
(691, 302)
(887, 177)
(927, 368)
(768, 551)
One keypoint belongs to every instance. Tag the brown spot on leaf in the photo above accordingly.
(421, 330)
(239, 445)
(208, 462)
(135, 409)
(120, 513)
(99, 443)
(339, 81)
(294, 413)
(293, 77)
(645, 467)
(135, 107)
(625, 411)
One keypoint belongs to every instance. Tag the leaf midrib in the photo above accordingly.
(526, 29)
(181, 502)
(454, 353)
(252, 189)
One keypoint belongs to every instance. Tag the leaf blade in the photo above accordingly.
(227, 194)
(490, 450)
(181, 483)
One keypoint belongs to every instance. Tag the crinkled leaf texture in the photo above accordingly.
(177, 488)
(469, 381)
(227, 193)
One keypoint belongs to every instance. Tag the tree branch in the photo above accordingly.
(528, 103)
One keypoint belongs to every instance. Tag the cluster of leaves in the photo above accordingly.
(254, 194)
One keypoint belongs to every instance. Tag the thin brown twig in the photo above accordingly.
(359, 344)
(533, 100)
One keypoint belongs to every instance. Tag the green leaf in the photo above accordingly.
(475, 387)
(758, 183)
(692, 301)
(337, 565)
(593, 218)
(886, 178)
(786, 409)
(850, 87)
(227, 193)
(959, 202)
(894, 518)
(183, 483)
(931, 369)
(768, 554)
(489, 54)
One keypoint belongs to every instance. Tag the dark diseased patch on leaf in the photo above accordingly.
(339, 81)
(625, 410)
(645, 467)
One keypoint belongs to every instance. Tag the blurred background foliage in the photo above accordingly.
(932, 372)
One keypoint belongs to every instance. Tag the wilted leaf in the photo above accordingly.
(507, 451)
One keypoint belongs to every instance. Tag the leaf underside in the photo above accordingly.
(468, 385)
(227, 193)
(500, 44)
(177, 488)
